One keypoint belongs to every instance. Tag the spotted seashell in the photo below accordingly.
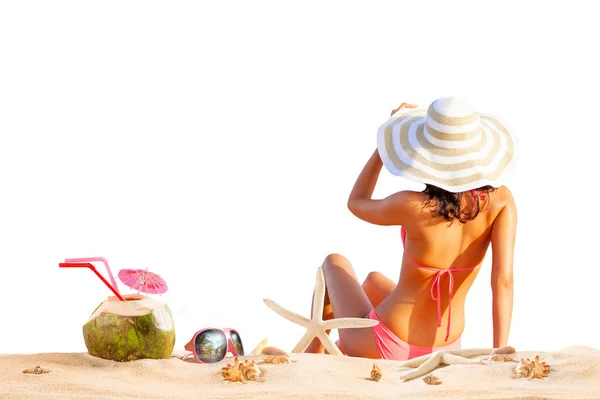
(376, 373)
(37, 370)
(432, 380)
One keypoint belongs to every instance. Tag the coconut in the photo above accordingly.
(140, 327)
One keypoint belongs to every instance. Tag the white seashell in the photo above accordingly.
(503, 354)
(273, 355)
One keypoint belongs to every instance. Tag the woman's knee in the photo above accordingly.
(377, 287)
(374, 276)
(336, 260)
(374, 280)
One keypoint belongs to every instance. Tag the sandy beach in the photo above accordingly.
(575, 375)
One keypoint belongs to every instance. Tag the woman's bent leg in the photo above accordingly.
(347, 299)
(378, 287)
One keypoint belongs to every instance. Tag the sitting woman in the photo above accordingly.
(461, 156)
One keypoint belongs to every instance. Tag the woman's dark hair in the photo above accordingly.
(447, 204)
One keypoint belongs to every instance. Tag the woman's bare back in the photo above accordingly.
(410, 311)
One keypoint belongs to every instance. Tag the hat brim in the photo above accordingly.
(407, 150)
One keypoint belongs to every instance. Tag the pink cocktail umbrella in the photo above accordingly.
(143, 280)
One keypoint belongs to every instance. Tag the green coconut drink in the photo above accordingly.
(139, 327)
(129, 327)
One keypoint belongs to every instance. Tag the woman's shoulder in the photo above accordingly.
(502, 197)
(502, 203)
(410, 198)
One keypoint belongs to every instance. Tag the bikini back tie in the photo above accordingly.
(435, 289)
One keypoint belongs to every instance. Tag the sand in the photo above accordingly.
(575, 375)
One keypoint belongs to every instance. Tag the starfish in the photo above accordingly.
(429, 362)
(316, 327)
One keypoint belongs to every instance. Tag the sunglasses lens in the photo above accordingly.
(211, 346)
(237, 342)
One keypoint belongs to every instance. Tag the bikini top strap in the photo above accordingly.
(435, 289)
(403, 234)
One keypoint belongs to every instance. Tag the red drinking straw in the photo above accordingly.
(90, 266)
(92, 259)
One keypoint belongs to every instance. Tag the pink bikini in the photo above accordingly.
(391, 347)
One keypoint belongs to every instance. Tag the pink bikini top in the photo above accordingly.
(435, 286)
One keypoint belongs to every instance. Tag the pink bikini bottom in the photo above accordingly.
(391, 347)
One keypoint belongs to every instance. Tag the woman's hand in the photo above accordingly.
(403, 105)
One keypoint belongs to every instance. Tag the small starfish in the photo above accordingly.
(427, 363)
(316, 327)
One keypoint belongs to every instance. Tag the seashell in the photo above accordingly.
(503, 354)
(241, 371)
(376, 373)
(250, 371)
(528, 368)
(273, 355)
(432, 380)
(36, 370)
(259, 347)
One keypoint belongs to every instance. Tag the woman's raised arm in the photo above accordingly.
(387, 211)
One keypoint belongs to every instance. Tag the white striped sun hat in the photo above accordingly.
(449, 145)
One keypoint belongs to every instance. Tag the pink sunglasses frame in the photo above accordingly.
(230, 346)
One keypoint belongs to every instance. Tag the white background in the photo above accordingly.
(215, 143)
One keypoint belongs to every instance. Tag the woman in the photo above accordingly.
(461, 156)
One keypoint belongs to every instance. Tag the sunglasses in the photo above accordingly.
(211, 345)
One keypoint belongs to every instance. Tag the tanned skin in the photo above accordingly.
(406, 307)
